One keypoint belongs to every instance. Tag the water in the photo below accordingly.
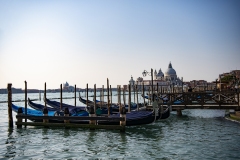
(198, 134)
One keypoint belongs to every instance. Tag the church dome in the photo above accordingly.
(170, 71)
(160, 73)
(66, 84)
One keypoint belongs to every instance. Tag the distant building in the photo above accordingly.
(68, 88)
(167, 80)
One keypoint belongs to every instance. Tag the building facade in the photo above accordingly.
(165, 80)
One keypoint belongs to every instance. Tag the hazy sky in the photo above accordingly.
(88, 41)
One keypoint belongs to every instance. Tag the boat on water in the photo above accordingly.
(72, 108)
(33, 112)
(132, 118)
(73, 111)
(56, 105)
(39, 106)
(161, 115)
(114, 107)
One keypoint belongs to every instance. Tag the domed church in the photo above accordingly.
(169, 78)
(170, 75)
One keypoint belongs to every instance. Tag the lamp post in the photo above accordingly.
(145, 73)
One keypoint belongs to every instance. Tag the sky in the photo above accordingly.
(87, 41)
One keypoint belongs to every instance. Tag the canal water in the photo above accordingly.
(198, 134)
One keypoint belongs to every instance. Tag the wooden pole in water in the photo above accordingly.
(95, 108)
(108, 97)
(149, 95)
(75, 96)
(10, 118)
(111, 95)
(25, 99)
(45, 86)
(20, 112)
(137, 98)
(143, 93)
(124, 97)
(122, 112)
(87, 94)
(134, 92)
(152, 84)
(119, 98)
(66, 114)
(101, 96)
(129, 98)
(61, 97)
(39, 95)
(182, 84)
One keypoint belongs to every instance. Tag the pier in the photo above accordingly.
(177, 100)
(91, 122)
(200, 100)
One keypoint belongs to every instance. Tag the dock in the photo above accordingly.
(66, 121)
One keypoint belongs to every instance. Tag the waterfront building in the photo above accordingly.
(67, 87)
(166, 80)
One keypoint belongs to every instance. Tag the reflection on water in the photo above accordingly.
(10, 147)
(186, 137)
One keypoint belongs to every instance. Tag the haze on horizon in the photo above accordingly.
(88, 41)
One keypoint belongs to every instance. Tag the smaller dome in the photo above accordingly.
(160, 73)
(66, 84)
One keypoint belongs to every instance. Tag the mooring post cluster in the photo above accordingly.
(66, 119)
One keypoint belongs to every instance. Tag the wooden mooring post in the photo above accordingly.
(20, 112)
(137, 98)
(123, 115)
(119, 97)
(92, 114)
(129, 98)
(75, 96)
(94, 99)
(60, 97)
(111, 95)
(45, 113)
(45, 103)
(25, 99)
(179, 112)
(143, 89)
(66, 114)
(10, 118)
(108, 101)
(87, 94)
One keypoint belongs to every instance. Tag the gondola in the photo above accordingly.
(114, 107)
(165, 114)
(39, 112)
(39, 106)
(33, 112)
(56, 105)
(73, 111)
(132, 118)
